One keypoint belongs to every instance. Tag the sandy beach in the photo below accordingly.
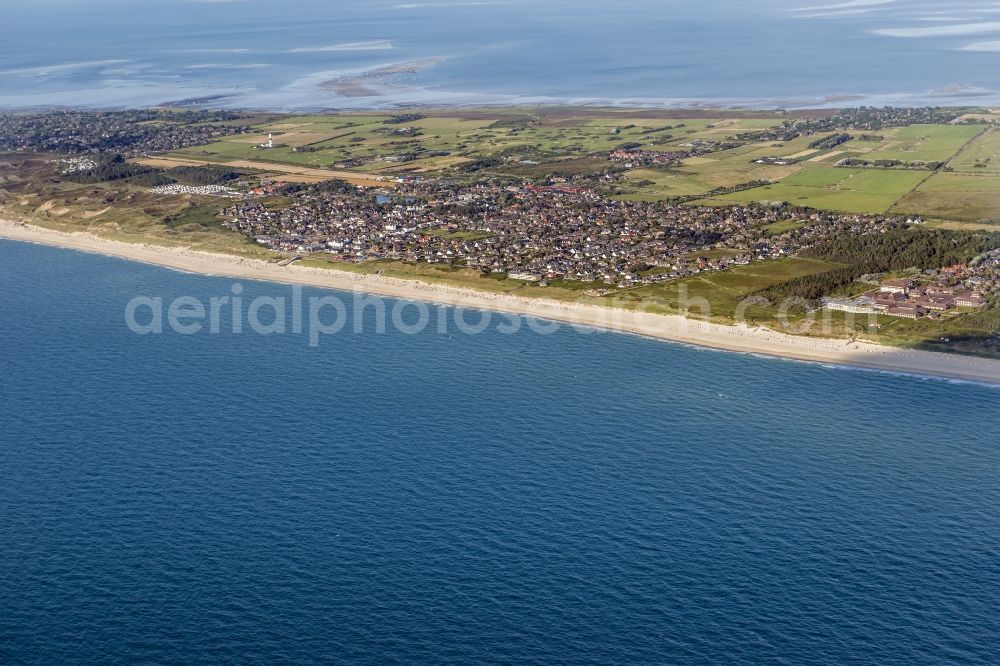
(666, 327)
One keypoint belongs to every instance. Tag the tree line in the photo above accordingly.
(116, 168)
(895, 250)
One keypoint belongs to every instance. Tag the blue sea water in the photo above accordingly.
(277, 55)
(527, 498)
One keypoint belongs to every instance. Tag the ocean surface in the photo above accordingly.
(318, 54)
(445, 498)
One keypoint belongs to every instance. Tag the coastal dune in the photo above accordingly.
(739, 338)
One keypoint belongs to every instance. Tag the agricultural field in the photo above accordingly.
(831, 188)
(968, 193)
(324, 141)
(924, 143)
(962, 197)
(539, 143)
(981, 157)
(728, 168)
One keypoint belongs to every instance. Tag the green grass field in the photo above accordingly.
(723, 169)
(955, 196)
(783, 226)
(981, 157)
(831, 188)
(924, 142)
(665, 184)
(331, 139)
(968, 193)
(723, 290)
(568, 141)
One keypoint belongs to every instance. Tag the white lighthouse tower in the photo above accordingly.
(270, 140)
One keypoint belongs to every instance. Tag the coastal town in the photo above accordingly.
(598, 205)
(130, 133)
(537, 234)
